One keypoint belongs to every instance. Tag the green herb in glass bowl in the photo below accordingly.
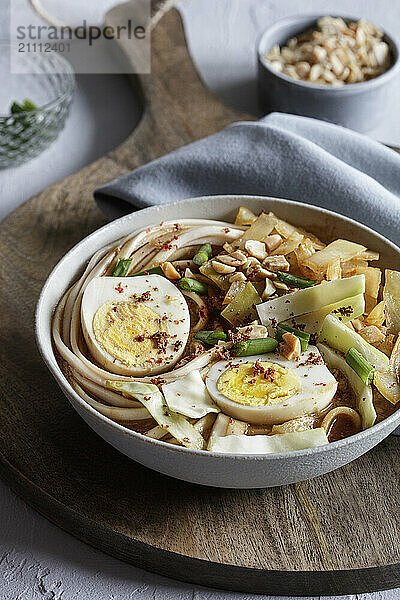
(36, 96)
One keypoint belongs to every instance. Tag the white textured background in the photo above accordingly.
(37, 560)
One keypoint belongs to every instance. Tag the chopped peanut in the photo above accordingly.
(272, 242)
(335, 52)
(255, 270)
(269, 290)
(386, 346)
(357, 324)
(220, 267)
(236, 259)
(169, 271)
(252, 266)
(290, 347)
(256, 249)
(254, 331)
(276, 263)
(238, 276)
(263, 273)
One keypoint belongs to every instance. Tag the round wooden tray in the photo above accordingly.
(335, 534)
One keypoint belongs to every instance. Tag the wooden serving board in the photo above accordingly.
(333, 535)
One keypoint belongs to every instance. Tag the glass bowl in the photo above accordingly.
(34, 102)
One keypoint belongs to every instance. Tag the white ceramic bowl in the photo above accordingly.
(214, 469)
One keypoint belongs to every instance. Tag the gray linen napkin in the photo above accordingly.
(281, 155)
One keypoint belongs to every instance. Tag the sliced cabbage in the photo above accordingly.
(340, 337)
(334, 270)
(372, 283)
(343, 249)
(289, 245)
(151, 398)
(372, 280)
(219, 429)
(303, 423)
(304, 251)
(377, 315)
(269, 444)
(236, 287)
(351, 267)
(220, 280)
(344, 310)
(391, 296)
(245, 216)
(188, 396)
(205, 423)
(369, 255)
(242, 307)
(258, 230)
(285, 229)
(387, 382)
(236, 427)
(308, 300)
(365, 404)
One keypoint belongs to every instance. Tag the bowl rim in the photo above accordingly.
(54, 368)
(345, 89)
(68, 82)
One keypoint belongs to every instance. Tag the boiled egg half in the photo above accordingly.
(269, 389)
(135, 325)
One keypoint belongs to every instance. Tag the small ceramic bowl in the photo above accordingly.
(200, 466)
(359, 106)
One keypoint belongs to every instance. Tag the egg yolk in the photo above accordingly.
(125, 330)
(258, 384)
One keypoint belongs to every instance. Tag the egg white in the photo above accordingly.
(165, 299)
(317, 388)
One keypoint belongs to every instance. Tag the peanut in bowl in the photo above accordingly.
(333, 53)
(305, 68)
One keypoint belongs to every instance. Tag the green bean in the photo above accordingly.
(192, 285)
(295, 281)
(210, 337)
(202, 255)
(252, 347)
(152, 271)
